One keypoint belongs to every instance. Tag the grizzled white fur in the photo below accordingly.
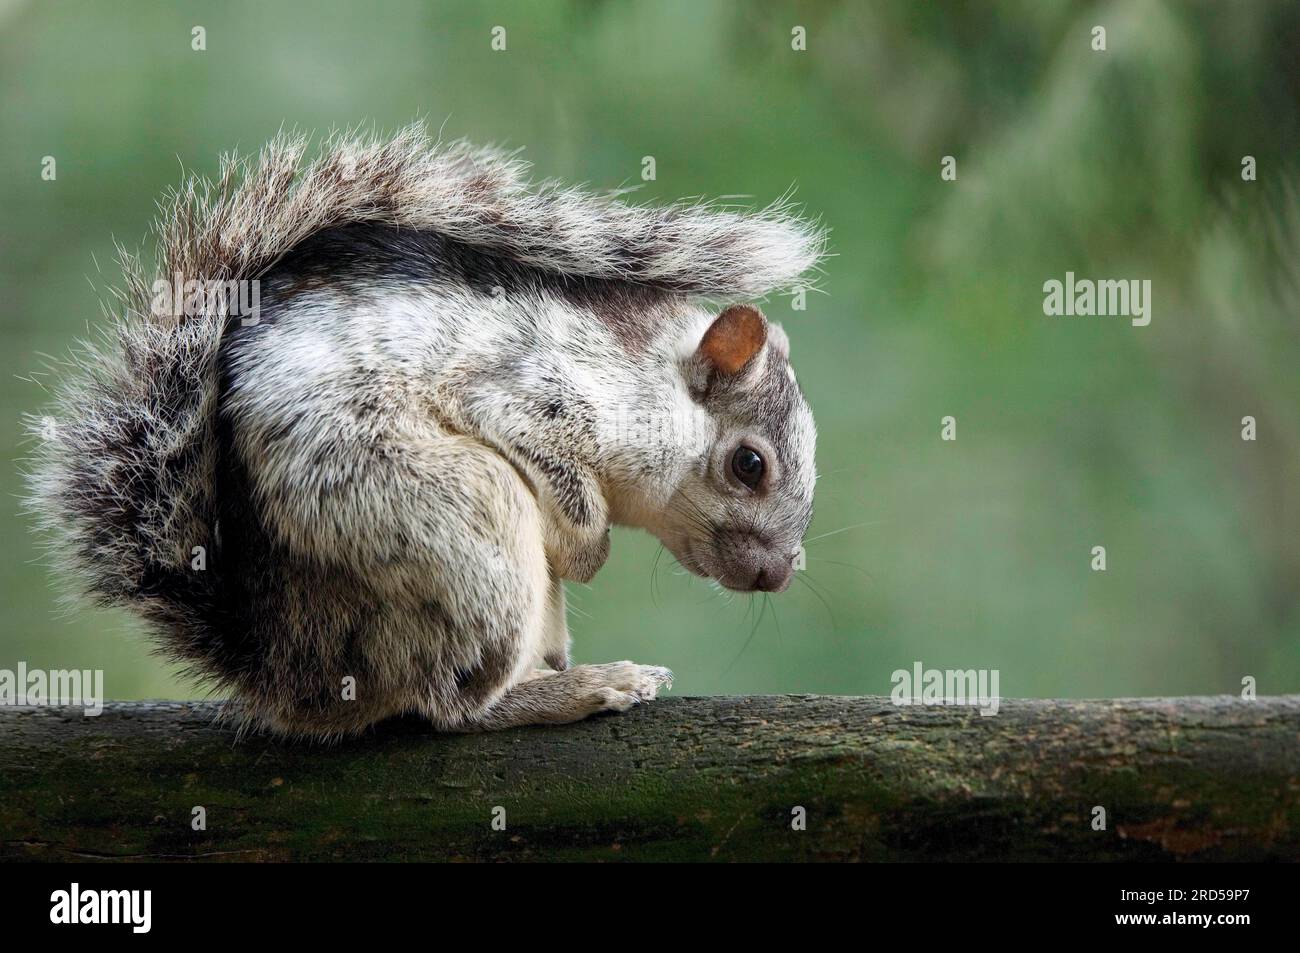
(397, 469)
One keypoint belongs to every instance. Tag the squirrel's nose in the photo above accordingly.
(774, 577)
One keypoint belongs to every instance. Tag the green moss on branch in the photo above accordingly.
(680, 779)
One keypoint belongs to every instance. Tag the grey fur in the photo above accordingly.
(457, 383)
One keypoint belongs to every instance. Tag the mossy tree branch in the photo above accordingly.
(679, 779)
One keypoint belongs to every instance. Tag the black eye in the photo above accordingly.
(747, 466)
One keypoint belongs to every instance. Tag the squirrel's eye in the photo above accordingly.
(747, 466)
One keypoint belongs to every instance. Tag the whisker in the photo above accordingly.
(780, 640)
(713, 590)
(830, 615)
(757, 622)
(654, 577)
(835, 562)
(855, 468)
(842, 529)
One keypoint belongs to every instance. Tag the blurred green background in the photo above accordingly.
(1072, 432)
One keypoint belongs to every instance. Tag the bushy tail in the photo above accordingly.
(123, 475)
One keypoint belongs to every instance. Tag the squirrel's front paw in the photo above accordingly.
(617, 686)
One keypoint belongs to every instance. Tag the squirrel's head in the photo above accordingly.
(740, 514)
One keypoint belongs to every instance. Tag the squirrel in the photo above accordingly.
(362, 502)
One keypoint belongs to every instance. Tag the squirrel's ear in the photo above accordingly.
(734, 337)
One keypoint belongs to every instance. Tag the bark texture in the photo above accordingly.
(680, 779)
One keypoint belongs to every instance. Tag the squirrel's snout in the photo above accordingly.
(749, 564)
(774, 578)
